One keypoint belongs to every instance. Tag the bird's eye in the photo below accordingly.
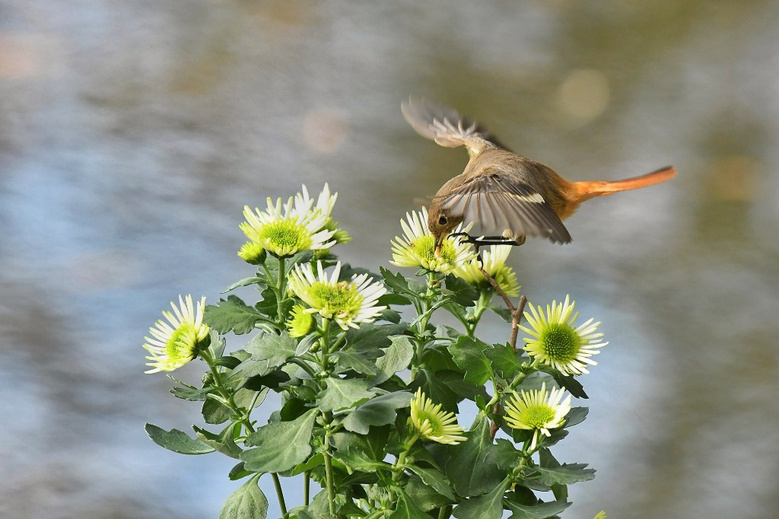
(442, 220)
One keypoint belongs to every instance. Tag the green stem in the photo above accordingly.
(423, 318)
(242, 415)
(329, 476)
(425, 310)
(304, 365)
(443, 513)
(324, 342)
(400, 466)
(307, 488)
(481, 306)
(327, 417)
(280, 292)
(400, 463)
(279, 494)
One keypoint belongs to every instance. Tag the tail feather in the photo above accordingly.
(586, 190)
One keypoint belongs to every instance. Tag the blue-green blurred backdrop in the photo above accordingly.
(132, 134)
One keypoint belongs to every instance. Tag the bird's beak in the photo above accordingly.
(439, 241)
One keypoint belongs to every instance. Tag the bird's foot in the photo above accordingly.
(483, 241)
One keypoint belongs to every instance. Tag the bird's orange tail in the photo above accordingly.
(586, 190)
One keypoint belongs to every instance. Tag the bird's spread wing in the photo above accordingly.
(446, 127)
(498, 204)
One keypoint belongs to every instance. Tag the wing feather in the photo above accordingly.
(446, 127)
(498, 204)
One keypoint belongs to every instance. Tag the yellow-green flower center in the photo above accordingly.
(560, 342)
(538, 416)
(180, 348)
(284, 237)
(340, 299)
(424, 247)
(430, 425)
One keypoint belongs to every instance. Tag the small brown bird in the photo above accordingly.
(507, 195)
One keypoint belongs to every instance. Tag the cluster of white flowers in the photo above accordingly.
(302, 223)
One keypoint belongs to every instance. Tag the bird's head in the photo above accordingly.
(440, 224)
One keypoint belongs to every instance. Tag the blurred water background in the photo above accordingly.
(132, 134)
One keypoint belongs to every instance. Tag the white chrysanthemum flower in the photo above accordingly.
(538, 410)
(494, 263)
(416, 248)
(175, 343)
(557, 342)
(432, 423)
(345, 302)
(324, 203)
(284, 230)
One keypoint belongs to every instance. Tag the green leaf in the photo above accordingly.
(216, 345)
(176, 441)
(250, 368)
(459, 291)
(538, 511)
(314, 461)
(506, 454)
(468, 354)
(551, 473)
(319, 507)
(487, 506)
(503, 359)
(370, 338)
(565, 474)
(463, 389)
(381, 410)
(437, 357)
(245, 282)
(227, 361)
(396, 283)
(215, 412)
(435, 480)
(392, 299)
(360, 452)
(248, 502)
(406, 508)
(272, 380)
(397, 357)
(280, 446)
(388, 314)
(436, 390)
(272, 348)
(568, 382)
(238, 472)
(232, 315)
(473, 468)
(575, 416)
(355, 361)
(423, 495)
(192, 394)
(269, 306)
(223, 442)
(343, 394)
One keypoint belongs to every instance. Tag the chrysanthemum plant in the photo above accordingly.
(371, 401)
